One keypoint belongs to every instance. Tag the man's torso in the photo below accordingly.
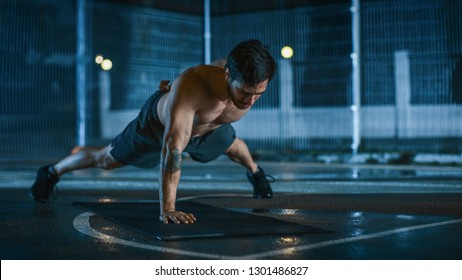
(215, 108)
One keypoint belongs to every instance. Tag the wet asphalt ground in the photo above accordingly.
(371, 212)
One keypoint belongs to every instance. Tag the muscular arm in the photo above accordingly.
(178, 127)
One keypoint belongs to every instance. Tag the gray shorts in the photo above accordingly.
(140, 143)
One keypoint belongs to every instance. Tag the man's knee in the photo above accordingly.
(98, 157)
(235, 147)
(106, 160)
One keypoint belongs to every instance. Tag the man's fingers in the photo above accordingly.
(192, 218)
(188, 219)
(178, 217)
(184, 218)
(174, 219)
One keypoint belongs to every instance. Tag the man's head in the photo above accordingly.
(250, 63)
(248, 69)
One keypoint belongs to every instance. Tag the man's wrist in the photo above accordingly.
(168, 206)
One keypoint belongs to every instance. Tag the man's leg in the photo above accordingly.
(239, 152)
(44, 188)
(87, 157)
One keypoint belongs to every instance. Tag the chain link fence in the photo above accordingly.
(411, 64)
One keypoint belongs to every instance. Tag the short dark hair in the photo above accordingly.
(250, 63)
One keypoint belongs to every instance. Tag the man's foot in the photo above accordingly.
(260, 182)
(44, 188)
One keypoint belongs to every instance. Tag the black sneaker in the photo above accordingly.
(44, 188)
(260, 182)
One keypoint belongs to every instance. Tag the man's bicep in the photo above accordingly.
(179, 128)
(185, 101)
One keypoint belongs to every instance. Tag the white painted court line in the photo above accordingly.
(291, 250)
(81, 223)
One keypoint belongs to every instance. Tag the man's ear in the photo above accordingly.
(227, 74)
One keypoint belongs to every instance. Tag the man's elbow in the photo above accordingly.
(173, 159)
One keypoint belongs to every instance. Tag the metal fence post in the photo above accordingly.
(207, 33)
(356, 77)
(81, 79)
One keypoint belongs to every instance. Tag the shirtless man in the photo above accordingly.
(193, 115)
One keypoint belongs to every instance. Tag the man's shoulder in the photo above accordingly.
(203, 78)
(192, 78)
(203, 85)
(201, 69)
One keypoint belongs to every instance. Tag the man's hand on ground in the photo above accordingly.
(177, 217)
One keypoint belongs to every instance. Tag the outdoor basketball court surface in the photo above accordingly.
(319, 212)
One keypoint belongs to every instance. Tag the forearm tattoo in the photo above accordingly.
(173, 163)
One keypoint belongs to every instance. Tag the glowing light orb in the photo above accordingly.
(106, 65)
(287, 52)
(99, 59)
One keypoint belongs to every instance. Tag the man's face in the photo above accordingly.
(244, 96)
